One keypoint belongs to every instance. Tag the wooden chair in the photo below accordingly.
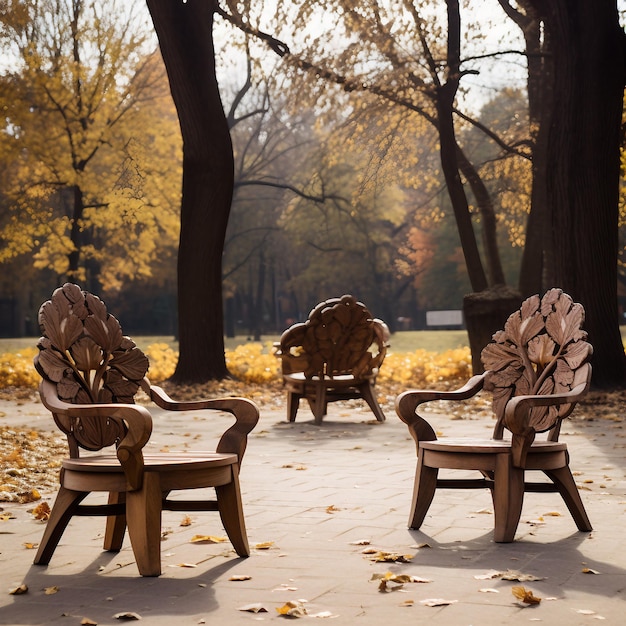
(537, 369)
(90, 376)
(334, 355)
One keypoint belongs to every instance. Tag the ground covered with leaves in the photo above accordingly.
(30, 459)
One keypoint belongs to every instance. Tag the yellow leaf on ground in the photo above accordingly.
(207, 539)
(237, 577)
(266, 545)
(41, 511)
(391, 557)
(18, 591)
(186, 521)
(292, 609)
(49, 591)
(525, 595)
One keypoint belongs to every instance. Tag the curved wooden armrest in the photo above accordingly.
(137, 420)
(408, 401)
(516, 415)
(246, 415)
(518, 418)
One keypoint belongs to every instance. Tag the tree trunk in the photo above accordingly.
(485, 313)
(185, 33)
(535, 271)
(583, 182)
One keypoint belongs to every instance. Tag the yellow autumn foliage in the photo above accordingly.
(255, 363)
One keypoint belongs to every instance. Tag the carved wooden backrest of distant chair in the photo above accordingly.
(91, 373)
(335, 355)
(537, 369)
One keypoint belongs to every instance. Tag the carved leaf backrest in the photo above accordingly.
(83, 352)
(340, 336)
(539, 352)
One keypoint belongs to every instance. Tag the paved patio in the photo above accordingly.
(320, 503)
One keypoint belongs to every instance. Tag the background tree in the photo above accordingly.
(83, 83)
(588, 48)
(185, 33)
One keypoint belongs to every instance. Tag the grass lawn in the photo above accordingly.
(404, 341)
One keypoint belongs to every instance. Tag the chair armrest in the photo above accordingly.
(518, 417)
(136, 419)
(234, 440)
(408, 401)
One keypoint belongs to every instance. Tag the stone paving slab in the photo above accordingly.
(316, 493)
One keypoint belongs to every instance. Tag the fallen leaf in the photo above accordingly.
(253, 608)
(5, 517)
(88, 622)
(292, 609)
(437, 602)
(51, 590)
(184, 565)
(408, 603)
(186, 521)
(391, 557)
(360, 542)
(587, 570)
(525, 595)
(30, 546)
(419, 546)
(238, 577)
(18, 591)
(553, 514)
(519, 577)
(41, 511)
(206, 539)
(392, 582)
(127, 616)
(266, 545)
(332, 509)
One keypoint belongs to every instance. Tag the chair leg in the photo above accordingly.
(64, 507)
(319, 408)
(367, 391)
(293, 401)
(116, 525)
(143, 516)
(231, 513)
(423, 492)
(564, 482)
(508, 497)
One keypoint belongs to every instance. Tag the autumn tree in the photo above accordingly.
(185, 33)
(425, 75)
(85, 113)
(588, 48)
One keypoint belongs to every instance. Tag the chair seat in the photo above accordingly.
(170, 461)
(487, 446)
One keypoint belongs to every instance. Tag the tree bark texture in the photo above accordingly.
(583, 155)
(185, 33)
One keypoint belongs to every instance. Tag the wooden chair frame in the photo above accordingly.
(90, 376)
(335, 355)
(537, 370)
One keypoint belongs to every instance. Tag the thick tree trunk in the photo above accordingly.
(583, 152)
(185, 33)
